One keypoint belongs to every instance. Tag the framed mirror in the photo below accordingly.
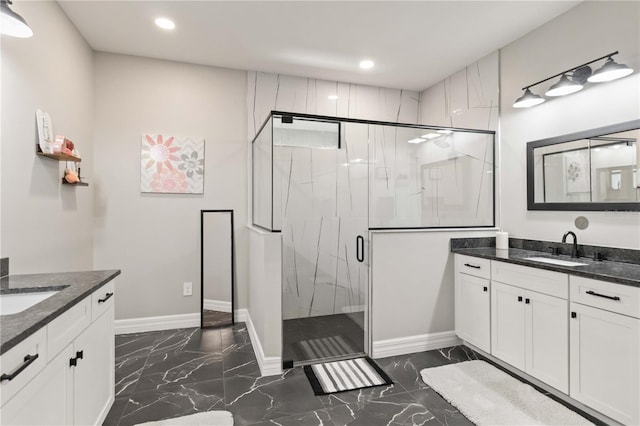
(217, 275)
(592, 170)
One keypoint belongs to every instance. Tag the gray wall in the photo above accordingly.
(46, 227)
(155, 238)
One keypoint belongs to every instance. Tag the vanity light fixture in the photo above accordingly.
(13, 24)
(574, 79)
(611, 70)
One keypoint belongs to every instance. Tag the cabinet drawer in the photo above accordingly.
(622, 299)
(102, 300)
(15, 358)
(475, 266)
(67, 326)
(540, 280)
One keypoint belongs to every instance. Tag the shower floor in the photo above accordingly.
(328, 336)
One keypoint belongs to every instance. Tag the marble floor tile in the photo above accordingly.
(446, 414)
(405, 369)
(173, 401)
(240, 363)
(113, 417)
(361, 395)
(179, 367)
(392, 410)
(253, 400)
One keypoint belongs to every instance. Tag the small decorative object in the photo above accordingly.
(171, 165)
(63, 145)
(577, 170)
(502, 240)
(71, 176)
(45, 132)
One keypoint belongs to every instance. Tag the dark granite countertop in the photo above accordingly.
(615, 272)
(73, 286)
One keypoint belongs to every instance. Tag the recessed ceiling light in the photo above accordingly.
(333, 97)
(165, 23)
(366, 64)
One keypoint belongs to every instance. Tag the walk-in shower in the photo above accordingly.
(325, 183)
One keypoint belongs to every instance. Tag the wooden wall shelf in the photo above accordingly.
(64, 182)
(60, 156)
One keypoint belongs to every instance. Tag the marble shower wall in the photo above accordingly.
(267, 92)
(467, 99)
(321, 195)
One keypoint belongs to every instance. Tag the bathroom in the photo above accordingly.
(104, 99)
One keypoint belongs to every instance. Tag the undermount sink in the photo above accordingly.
(558, 262)
(14, 303)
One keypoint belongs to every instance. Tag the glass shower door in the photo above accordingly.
(321, 190)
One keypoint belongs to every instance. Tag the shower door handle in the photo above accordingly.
(360, 248)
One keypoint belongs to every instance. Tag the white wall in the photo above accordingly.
(155, 238)
(265, 299)
(46, 227)
(584, 33)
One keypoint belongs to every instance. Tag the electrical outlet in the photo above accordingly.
(187, 289)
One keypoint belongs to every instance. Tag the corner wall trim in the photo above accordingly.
(167, 322)
(269, 366)
(416, 343)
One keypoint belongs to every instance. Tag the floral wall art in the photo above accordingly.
(171, 165)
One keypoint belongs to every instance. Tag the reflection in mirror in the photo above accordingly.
(217, 269)
(592, 172)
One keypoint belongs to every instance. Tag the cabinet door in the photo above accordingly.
(547, 339)
(473, 316)
(507, 324)
(47, 399)
(93, 377)
(605, 362)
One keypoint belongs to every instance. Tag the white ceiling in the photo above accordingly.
(414, 44)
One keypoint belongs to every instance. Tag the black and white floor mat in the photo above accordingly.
(340, 376)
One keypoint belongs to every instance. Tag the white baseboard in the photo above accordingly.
(241, 315)
(417, 343)
(217, 305)
(167, 322)
(269, 366)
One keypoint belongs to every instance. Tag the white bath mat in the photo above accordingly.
(488, 396)
(206, 418)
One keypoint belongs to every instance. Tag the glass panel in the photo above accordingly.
(613, 170)
(563, 171)
(430, 178)
(324, 209)
(262, 178)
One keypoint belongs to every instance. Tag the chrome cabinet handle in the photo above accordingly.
(28, 360)
(360, 248)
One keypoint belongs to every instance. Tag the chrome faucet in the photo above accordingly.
(574, 249)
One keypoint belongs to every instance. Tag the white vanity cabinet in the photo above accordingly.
(605, 348)
(76, 386)
(472, 300)
(529, 321)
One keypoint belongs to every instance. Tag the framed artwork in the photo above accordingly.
(171, 165)
(577, 171)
